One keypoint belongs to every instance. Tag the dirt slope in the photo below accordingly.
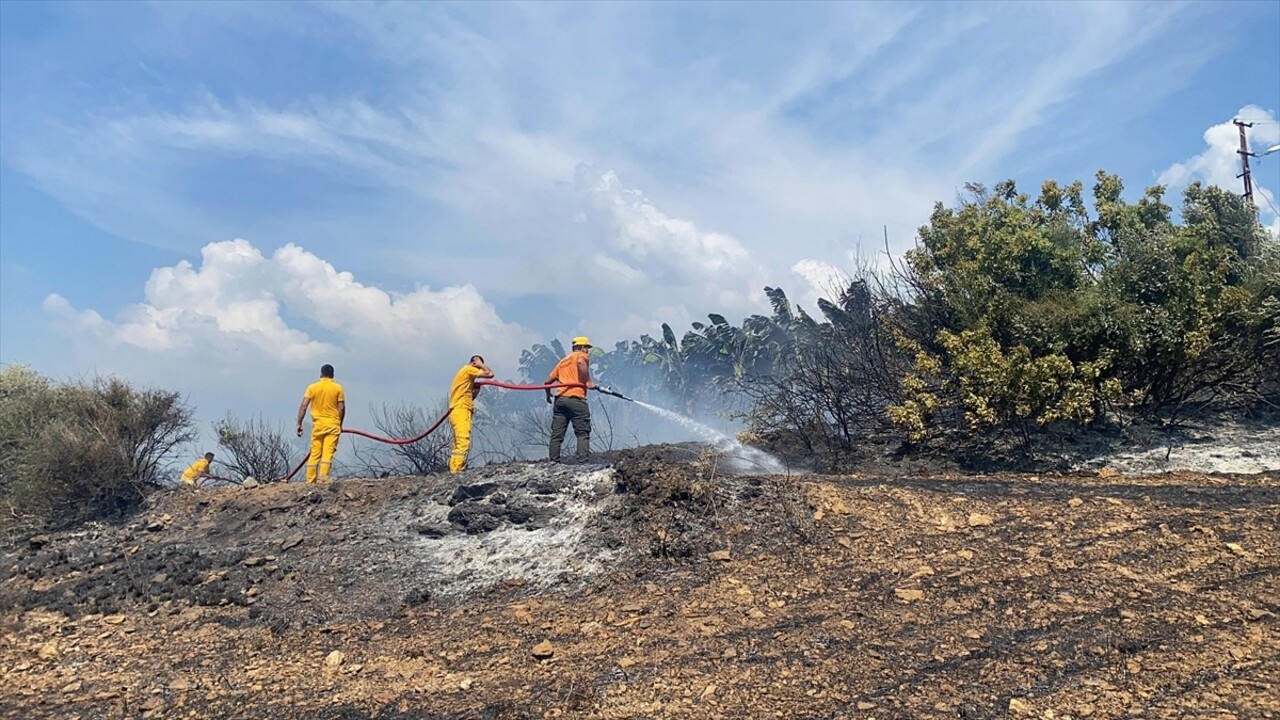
(652, 589)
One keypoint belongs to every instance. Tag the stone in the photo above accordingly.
(249, 483)
(430, 529)
(73, 686)
(180, 684)
(335, 658)
(1075, 502)
(48, 652)
(291, 542)
(979, 519)
(476, 491)
(476, 518)
(922, 571)
(1107, 472)
(113, 619)
(1019, 706)
(38, 541)
(909, 594)
(718, 555)
(1259, 613)
(525, 512)
(543, 650)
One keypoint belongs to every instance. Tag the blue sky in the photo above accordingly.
(218, 197)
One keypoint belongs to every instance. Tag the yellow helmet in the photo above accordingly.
(581, 340)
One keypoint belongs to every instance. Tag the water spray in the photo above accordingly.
(742, 457)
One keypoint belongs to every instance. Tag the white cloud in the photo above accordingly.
(246, 312)
(1219, 163)
(643, 232)
(658, 268)
(822, 280)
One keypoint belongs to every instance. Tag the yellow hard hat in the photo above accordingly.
(581, 340)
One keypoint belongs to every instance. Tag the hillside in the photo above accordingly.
(655, 587)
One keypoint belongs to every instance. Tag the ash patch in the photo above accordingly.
(536, 528)
(1211, 446)
(302, 555)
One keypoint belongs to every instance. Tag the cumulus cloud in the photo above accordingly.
(247, 315)
(226, 303)
(1219, 163)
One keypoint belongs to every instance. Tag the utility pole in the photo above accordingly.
(1244, 160)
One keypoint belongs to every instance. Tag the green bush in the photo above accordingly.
(85, 449)
(1031, 312)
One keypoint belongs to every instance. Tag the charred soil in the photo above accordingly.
(655, 587)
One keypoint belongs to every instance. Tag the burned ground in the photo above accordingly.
(655, 587)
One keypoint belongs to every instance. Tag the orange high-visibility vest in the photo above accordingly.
(567, 372)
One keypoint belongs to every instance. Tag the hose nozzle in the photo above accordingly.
(614, 393)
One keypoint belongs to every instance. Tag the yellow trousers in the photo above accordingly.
(324, 443)
(460, 419)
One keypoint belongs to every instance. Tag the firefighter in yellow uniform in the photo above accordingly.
(462, 396)
(199, 470)
(328, 410)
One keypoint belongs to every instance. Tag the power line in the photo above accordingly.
(1274, 211)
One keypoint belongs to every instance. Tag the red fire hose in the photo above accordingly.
(434, 426)
(510, 386)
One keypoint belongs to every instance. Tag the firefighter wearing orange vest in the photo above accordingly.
(570, 404)
(462, 397)
(328, 410)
